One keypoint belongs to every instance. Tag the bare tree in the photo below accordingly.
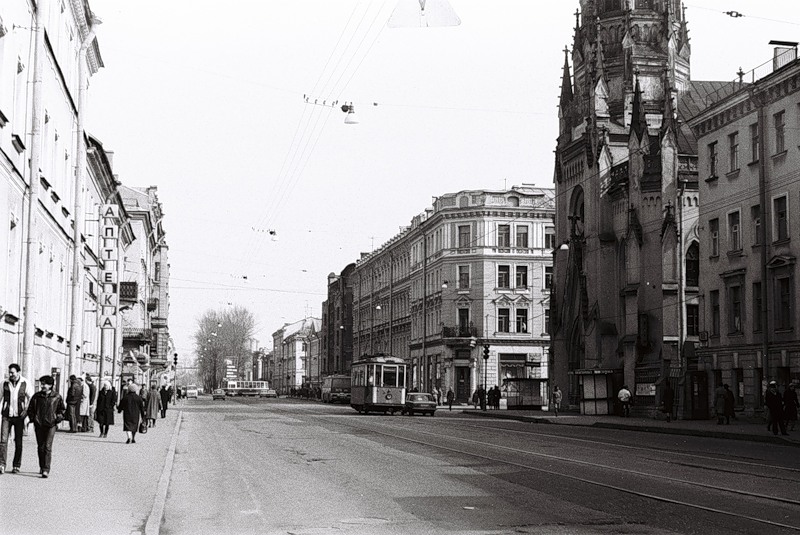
(222, 335)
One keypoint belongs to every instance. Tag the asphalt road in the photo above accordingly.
(293, 467)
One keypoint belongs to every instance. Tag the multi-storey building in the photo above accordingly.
(47, 53)
(749, 156)
(336, 336)
(292, 354)
(472, 271)
(627, 206)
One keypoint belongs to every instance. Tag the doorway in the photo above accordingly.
(463, 386)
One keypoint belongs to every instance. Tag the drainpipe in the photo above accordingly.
(762, 199)
(76, 320)
(31, 239)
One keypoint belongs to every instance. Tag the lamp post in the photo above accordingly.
(485, 375)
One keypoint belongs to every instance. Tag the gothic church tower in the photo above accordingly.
(626, 191)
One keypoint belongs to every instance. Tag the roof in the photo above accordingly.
(695, 99)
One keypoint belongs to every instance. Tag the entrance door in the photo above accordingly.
(463, 386)
(699, 393)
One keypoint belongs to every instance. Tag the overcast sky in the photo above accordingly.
(207, 101)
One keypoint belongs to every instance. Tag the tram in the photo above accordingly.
(378, 384)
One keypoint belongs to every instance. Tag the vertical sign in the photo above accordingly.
(109, 253)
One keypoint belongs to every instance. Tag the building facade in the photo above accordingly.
(292, 354)
(336, 336)
(749, 156)
(472, 271)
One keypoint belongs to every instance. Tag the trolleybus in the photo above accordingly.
(234, 387)
(336, 388)
(378, 384)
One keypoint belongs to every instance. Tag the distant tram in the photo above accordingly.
(378, 384)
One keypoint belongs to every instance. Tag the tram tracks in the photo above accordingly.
(637, 482)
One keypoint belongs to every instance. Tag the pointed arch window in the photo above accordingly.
(693, 265)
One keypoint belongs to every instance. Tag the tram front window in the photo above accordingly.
(390, 376)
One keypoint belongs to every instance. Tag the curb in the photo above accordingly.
(153, 525)
(645, 428)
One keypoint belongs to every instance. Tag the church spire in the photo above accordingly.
(566, 83)
(638, 121)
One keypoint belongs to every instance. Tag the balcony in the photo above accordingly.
(141, 335)
(128, 291)
(459, 336)
(152, 304)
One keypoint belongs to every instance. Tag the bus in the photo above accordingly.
(378, 384)
(336, 388)
(235, 387)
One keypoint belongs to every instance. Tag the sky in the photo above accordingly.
(226, 107)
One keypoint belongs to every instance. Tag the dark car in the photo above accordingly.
(419, 402)
(218, 393)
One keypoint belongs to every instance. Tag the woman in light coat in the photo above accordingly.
(153, 404)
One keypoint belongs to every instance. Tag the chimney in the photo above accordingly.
(785, 53)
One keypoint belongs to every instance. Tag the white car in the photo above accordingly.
(191, 391)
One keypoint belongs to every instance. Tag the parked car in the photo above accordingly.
(191, 391)
(218, 393)
(420, 402)
(267, 393)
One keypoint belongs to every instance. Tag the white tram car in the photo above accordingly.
(378, 384)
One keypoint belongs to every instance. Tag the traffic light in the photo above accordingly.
(175, 359)
(486, 352)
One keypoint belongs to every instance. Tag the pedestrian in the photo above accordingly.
(84, 405)
(166, 394)
(451, 397)
(104, 413)
(475, 399)
(730, 403)
(74, 394)
(16, 396)
(482, 397)
(668, 399)
(153, 405)
(45, 412)
(624, 397)
(132, 408)
(92, 399)
(719, 404)
(498, 395)
(790, 405)
(557, 395)
(774, 403)
(438, 396)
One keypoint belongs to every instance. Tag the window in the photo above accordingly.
(712, 159)
(755, 218)
(157, 271)
(503, 276)
(714, 299)
(463, 322)
(693, 265)
(780, 215)
(503, 236)
(780, 132)
(548, 277)
(522, 320)
(738, 386)
(549, 238)
(713, 234)
(522, 236)
(735, 307)
(644, 4)
(692, 320)
(783, 302)
(503, 320)
(754, 141)
(522, 277)
(757, 307)
(733, 151)
(464, 238)
(463, 277)
(734, 232)
(546, 321)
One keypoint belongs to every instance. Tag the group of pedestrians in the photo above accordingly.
(487, 398)
(724, 404)
(782, 408)
(84, 405)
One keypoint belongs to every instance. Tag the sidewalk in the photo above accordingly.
(741, 429)
(96, 485)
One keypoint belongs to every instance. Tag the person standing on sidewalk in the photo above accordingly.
(84, 408)
(46, 411)
(153, 405)
(92, 398)
(104, 413)
(132, 408)
(790, 405)
(165, 398)
(557, 396)
(624, 397)
(719, 404)
(74, 394)
(16, 396)
(774, 403)
(730, 404)
(451, 397)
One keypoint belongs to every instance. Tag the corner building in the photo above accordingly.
(473, 270)
(626, 281)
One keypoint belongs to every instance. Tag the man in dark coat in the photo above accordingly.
(730, 404)
(74, 394)
(45, 412)
(669, 400)
(165, 397)
(774, 403)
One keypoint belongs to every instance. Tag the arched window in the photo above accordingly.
(576, 212)
(693, 265)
